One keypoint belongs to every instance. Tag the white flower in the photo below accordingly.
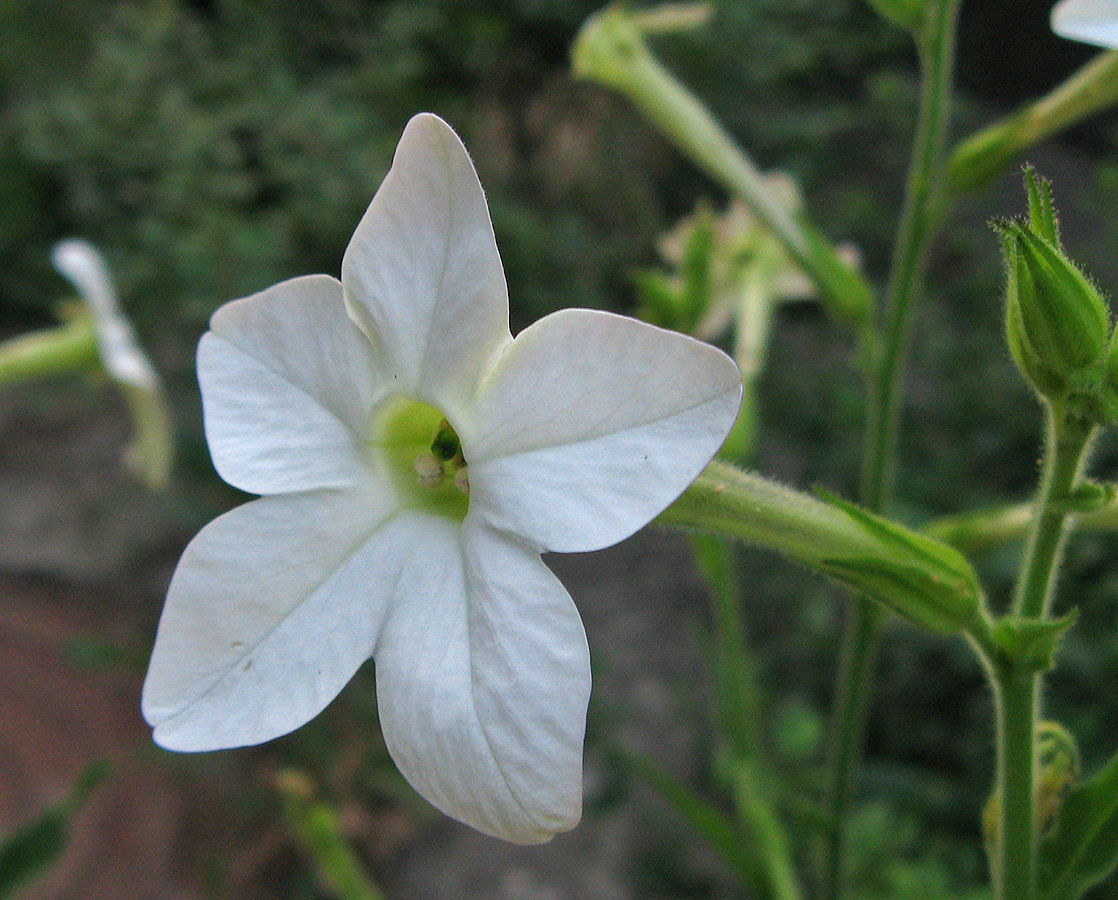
(572, 436)
(121, 355)
(151, 450)
(1090, 21)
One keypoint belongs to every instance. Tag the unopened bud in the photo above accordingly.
(1063, 318)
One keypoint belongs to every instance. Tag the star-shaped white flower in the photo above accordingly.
(327, 398)
(1090, 21)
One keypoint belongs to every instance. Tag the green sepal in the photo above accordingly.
(1107, 396)
(695, 271)
(1064, 319)
(919, 577)
(659, 299)
(1042, 210)
(1089, 496)
(1046, 381)
(1082, 847)
(1030, 645)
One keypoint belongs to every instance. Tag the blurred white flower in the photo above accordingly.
(1090, 21)
(415, 461)
(83, 265)
(150, 453)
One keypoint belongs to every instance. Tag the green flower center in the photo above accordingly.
(423, 456)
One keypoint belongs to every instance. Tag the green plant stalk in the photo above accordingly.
(936, 43)
(736, 690)
(1014, 864)
(765, 829)
(64, 349)
(610, 49)
(974, 531)
(1017, 688)
(316, 826)
(982, 157)
(1067, 443)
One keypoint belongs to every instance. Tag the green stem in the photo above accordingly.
(610, 49)
(915, 233)
(985, 155)
(63, 349)
(765, 829)
(1017, 686)
(974, 531)
(1014, 865)
(1067, 444)
(851, 699)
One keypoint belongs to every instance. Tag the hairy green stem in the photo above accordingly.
(985, 155)
(971, 532)
(1018, 686)
(1065, 453)
(936, 44)
(1014, 864)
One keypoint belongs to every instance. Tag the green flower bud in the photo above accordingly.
(1044, 380)
(1108, 392)
(1063, 319)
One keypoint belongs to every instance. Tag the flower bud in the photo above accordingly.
(1063, 319)
(1047, 382)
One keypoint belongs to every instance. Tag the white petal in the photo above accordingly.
(121, 355)
(483, 676)
(592, 424)
(422, 275)
(1090, 21)
(288, 385)
(271, 610)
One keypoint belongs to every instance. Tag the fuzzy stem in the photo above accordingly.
(1014, 863)
(1067, 443)
(985, 155)
(936, 44)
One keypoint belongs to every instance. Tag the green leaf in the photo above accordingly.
(35, 847)
(1082, 849)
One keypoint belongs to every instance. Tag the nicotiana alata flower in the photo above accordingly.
(150, 453)
(1090, 21)
(415, 460)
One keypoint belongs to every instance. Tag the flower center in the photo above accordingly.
(423, 456)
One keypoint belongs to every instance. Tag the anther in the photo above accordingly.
(429, 470)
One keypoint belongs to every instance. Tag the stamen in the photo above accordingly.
(429, 470)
